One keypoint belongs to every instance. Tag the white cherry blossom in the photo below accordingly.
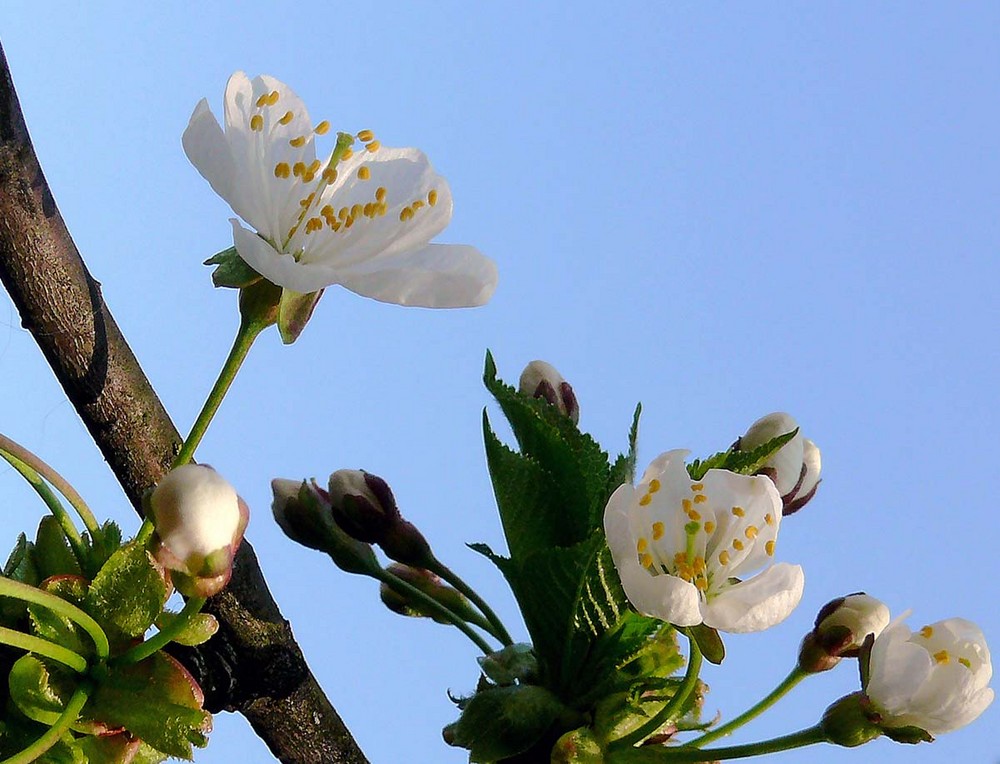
(362, 218)
(680, 545)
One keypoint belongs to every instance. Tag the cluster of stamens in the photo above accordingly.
(328, 216)
(942, 657)
(689, 565)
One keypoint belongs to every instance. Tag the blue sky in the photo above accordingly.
(717, 210)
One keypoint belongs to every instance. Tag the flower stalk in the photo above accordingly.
(17, 590)
(56, 731)
(660, 755)
(496, 626)
(43, 647)
(164, 636)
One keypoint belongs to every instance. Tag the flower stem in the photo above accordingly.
(250, 328)
(17, 590)
(52, 502)
(664, 755)
(56, 480)
(497, 629)
(795, 676)
(164, 636)
(433, 606)
(56, 731)
(671, 708)
(43, 647)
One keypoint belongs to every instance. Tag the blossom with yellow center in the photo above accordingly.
(935, 679)
(360, 218)
(680, 545)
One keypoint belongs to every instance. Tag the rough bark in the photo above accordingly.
(253, 665)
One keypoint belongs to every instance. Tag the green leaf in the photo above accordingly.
(53, 555)
(157, 701)
(623, 470)
(578, 466)
(48, 624)
(20, 567)
(742, 462)
(118, 749)
(199, 628)
(709, 642)
(39, 694)
(501, 722)
(514, 664)
(232, 270)
(107, 542)
(613, 663)
(129, 591)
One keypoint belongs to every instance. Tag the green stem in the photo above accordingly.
(144, 532)
(52, 502)
(498, 630)
(795, 676)
(17, 590)
(164, 636)
(664, 755)
(56, 480)
(671, 708)
(52, 735)
(249, 329)
(43, 647)
(433, 606)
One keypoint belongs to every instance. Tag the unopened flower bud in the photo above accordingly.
(199, 522)
(426, 582)
(787, 460)
(302, 510)
(851, 721)
(841, 628)
(811, 466)
(541, 380)
(363, 505)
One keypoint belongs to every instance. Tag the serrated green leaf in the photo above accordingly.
(741, 462)
(514, 664)
(579, 468)
(199, 629)
(107, 542)
(232, 270)
(128, 592)
(53, 555)
(48, 624)
(156, 701)
(20, 567)
(501, 722)
(39, 694)
(623, 470)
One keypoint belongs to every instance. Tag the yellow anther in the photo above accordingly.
(348, 153)
(965, 662)
(697, 487)
(356, 210)
(657, 531)
(329, 175)
(308, 176)
(288, 117)
(724, 557)
(349, 222)
(769, 548)
(769, 519)
(373, 146)
(696, 516)
(406, 214)
(380, 193)
(646, 560)
(282, 170)
(298, 169)
(699, 564)
(262, 101)
(927, 632)
(308, 200)
(327, 211)
(256, 123)
(701, 584)
(646, 498)
(364, 173)
(432, 197)
(298, 142)
(382, 208)
(322, 128)
(417, 205)
(686, 505)
(738, 512)
(642, 545)
(366, 135)
(941, 656)
(272, 99)
(313, 224)
(343, 213)
(369, 210)
(335, 225)
(709, 527)
(314, 167)
(700, 498)
(737, 545)
(654, 485)
(751, 532)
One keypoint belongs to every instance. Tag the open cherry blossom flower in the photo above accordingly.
(362, 218)
(935, 679)
(679, 546)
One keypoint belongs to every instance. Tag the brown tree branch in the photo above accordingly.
(253, 665)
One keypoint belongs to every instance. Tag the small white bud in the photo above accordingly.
(787, 460)
(541, 380)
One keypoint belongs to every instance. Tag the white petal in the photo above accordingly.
(262, 257)
(206, 147)
(436, 276)
(759, 603)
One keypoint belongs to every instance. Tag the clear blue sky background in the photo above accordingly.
(719, 210)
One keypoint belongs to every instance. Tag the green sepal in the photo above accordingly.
(709, 642)
(742, 462)
(199, 628)
(53, 555)
(232, 270)
(579, 746)
(129, 592)
(57, 628)
(501, 722)
(157, 701)
(514, 664)
(909, 735)
(294, 312)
